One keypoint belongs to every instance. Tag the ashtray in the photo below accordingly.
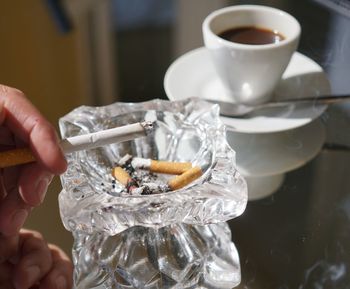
(168, 239)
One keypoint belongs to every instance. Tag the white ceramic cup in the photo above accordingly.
(250, 73)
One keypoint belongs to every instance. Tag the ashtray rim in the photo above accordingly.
(207, 189)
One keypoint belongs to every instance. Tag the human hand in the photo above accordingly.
(27, 261)
(24, 187)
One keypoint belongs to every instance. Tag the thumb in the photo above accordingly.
(26, 122)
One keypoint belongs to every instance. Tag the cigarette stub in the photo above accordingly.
(184, 179)
(172, 168)
(124, 178)
(121, 175)
(15, 157)
(137, 183)
(163, 167)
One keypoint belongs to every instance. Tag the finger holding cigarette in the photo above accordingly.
(27, 124)
(81, 142)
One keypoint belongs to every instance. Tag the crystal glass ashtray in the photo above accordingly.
(171, 239)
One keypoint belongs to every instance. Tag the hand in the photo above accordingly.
(27, 261)
(24, 187)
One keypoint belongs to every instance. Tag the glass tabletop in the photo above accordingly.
(299, 236)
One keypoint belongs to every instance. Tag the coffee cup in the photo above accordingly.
(251, 46)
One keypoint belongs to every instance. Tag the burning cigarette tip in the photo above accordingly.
(148, 126)
(184, 179)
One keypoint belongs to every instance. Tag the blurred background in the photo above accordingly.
(64, 54)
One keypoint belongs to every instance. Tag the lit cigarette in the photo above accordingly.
(82, 142)
(164, 167)
(105, 137)
(123, 177)
(184, 179)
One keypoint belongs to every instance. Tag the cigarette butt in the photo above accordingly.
(125, 179)
(121, 175)
(171, 168)
(16, 157)
(184, 179)
(164, 167)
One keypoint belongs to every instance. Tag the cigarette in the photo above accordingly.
(105, 137)
(184, 179)
(82, 142)
(123, 177)
(16, 157)
(164, 167)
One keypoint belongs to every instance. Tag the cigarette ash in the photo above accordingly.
(141, 182)
(110, 186)
(137, 176)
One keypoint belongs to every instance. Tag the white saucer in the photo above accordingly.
(262, 187)
(262, 155)
(193, 74)
(263, 159)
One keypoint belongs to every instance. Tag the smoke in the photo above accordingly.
(339, 47)
(323, 275)
(346, 207)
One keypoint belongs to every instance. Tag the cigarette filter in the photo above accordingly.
(171, 168)
(125, 179)
(121, 175)
(184, 179)
(16, 157)
(164, 167)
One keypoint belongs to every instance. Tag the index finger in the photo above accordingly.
(28, 124)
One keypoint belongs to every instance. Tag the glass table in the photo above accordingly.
(298, 237)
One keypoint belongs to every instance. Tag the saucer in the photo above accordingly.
(262, 187)
(264, 155)
(193, 74)
(264, 159)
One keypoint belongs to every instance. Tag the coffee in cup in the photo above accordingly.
(251, 46)
(252, 35)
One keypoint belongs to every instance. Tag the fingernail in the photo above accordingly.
(18, 219)
(61, 283)
(41, 189)
(32, 275)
